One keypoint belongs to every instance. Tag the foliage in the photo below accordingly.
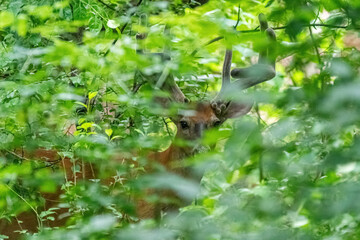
(288, 170)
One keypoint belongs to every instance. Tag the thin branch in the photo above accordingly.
(16, 155)
(328, 25)
(261, 164)
(122, 29)
(49, 165)
(68, 130)
(315, 46)
(107, 5)
(167, 127)
(314, 25)
(322, 83)
(238, 18)
(214, 40)
(259, 118)
(317, 17)
(38, 218)
(305, 25)
(257, 29)
(208, 43)
(136, 87)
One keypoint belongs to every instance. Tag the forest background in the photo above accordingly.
(287, 170)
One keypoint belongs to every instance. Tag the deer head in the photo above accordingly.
(205, 115)
(211, 114)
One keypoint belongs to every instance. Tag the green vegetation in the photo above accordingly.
(287, 170)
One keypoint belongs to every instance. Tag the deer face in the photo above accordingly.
(202, 116)
(191, 126)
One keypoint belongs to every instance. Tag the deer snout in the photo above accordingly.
(199, 129)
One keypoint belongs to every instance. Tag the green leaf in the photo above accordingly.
(92, 95)
(115, 137)
(2, 237)
(109, 132)
(7, 18)
(21, 25)
(82, 104)
(95, 25)
(86, 125)
(139, 131)
(43, 12)
(112, 23)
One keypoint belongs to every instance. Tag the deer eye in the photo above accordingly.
(184, 124)
(217, 123)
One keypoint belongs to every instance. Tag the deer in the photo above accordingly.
(206, 115)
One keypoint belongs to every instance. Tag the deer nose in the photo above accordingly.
(199, 129)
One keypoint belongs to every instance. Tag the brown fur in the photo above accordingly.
(203, 114)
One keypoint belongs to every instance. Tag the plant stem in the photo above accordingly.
(275, 28)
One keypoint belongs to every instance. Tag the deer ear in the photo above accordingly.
(235, 110)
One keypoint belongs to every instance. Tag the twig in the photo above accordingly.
(51, 163)
(27, 203)
(261, 166)
(261, 169)
(206, 44)
(122, 29)
(19, 223)
(107, 5)
(167, 127)
(16, 155)
(68, 130)
(318, 56)
(136, 87)
(259, 116)
(238, 18)
(275, 28)
(316, 49)
(95, 11)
